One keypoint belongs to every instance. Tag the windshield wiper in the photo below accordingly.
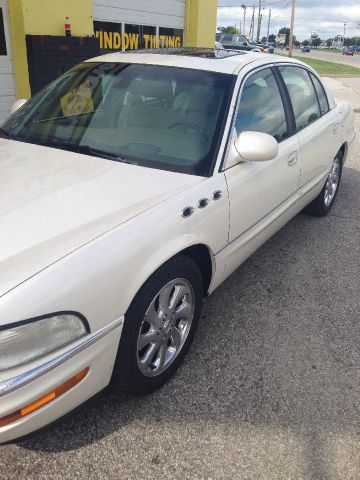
(96, 152)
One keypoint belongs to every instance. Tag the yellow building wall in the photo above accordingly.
(47, 17)
(43, 17)
(200, 23)
(18, 47)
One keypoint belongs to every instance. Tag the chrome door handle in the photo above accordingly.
(292, 159)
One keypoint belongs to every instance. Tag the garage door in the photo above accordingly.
(129, 25)
(7, 85)
(165, 13)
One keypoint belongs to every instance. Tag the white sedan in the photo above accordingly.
(131, 187)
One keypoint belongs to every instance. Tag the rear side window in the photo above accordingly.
(261, 108)
(302, 95)
(323, 101)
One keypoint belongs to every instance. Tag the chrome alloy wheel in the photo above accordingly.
(332, 182)
(165, 327)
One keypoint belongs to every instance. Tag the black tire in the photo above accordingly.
(127, 376)
(318, 207)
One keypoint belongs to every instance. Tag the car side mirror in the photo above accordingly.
(252, 147)
(17, 104)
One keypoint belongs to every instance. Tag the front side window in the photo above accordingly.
(261, 108)
(323, 101)
(302, 95)
(159, 117)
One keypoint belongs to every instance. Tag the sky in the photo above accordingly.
(326, 17)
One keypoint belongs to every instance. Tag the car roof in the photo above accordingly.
(211, 59)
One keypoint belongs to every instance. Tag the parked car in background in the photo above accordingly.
(348, 51)
(133, 186)
(242, 42)
(305, 49)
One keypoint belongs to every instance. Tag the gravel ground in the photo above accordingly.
(269, 390)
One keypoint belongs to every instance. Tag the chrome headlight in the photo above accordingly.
(29, 340)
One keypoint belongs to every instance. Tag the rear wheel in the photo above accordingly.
(326, 198)
(159, 327)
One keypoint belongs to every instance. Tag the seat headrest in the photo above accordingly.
(197, 99)
(151, 88)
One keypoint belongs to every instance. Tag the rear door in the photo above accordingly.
(258, 188)
(317, 127)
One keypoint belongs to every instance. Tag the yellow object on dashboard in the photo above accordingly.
(78, 100)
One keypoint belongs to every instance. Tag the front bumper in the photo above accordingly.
(96, 351)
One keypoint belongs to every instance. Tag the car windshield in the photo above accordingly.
(160, 117)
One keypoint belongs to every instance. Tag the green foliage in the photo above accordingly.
(351, 41)
(317, 42)
(229, 30)
(272, 38)
(305, 43)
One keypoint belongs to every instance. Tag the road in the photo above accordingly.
(330, 56)
(269, 390)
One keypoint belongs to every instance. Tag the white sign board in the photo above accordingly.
(281, 38)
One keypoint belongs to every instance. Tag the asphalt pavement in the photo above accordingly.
(269, 390)
(331, 56)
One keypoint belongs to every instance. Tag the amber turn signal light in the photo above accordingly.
(49, 397)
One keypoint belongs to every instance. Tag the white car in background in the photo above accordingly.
(131, 187)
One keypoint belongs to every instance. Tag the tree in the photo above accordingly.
(317, 42)
(287, 33)
(229, 30)
(272, 38)
(329, 42)
(296, 43)
(305, 43)
(352, 41)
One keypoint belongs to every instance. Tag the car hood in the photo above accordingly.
(53, 201)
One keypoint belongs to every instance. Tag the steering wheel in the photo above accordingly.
(188, 124)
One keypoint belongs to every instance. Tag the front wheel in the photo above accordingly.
(159, 327)
(326, 198)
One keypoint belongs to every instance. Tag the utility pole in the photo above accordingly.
(292, 27)
(259, 23)
(244, 8)
(345, 23)
(268, 29)
(251, 32)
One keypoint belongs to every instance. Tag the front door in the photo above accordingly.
(258, 188)
(7, 84)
